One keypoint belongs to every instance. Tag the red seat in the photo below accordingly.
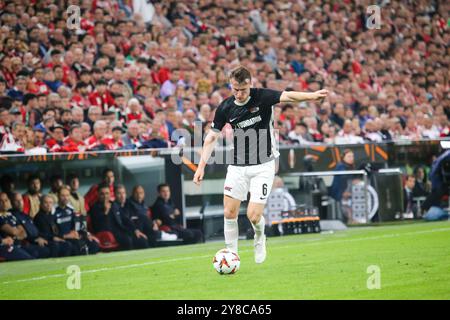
(150, 213)
(162, 227)
(89, 223)
(165, 228)
(107, 241)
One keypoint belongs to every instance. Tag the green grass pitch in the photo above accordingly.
(414, 262)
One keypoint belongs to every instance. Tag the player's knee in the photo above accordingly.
(253, 216)
(230, 213)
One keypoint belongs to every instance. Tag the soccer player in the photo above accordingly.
(250, 113)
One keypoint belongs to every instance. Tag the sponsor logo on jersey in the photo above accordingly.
(249, 122)
(63, 220)
(228, 188)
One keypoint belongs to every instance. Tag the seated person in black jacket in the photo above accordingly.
(46, 223)
(422, 187)
(71, 227)
(9, 251)
(409, 207)
(140, 240)
(164, 210)
(33, 239)
(11, 227)
(140, 218)
(106, 216)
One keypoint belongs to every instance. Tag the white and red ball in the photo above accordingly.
(226, 261)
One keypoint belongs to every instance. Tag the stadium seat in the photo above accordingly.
(107, 241)
(162, 228)
(89, 223)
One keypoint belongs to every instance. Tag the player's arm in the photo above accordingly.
(297, 96)
(208, 147)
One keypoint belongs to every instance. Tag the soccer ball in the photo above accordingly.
(226, 261)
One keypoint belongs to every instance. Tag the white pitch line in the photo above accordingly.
(136, 265)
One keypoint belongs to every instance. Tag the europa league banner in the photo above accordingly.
(326, 157)
(301, 159)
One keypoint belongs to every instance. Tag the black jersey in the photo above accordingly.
(252, 123)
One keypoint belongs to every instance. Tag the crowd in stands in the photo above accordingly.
(64, 222)
(132, 72)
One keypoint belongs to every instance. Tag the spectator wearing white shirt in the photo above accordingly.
(13, 141)
(371, 133)
(346, 135)
(429, 130)
(300, 134)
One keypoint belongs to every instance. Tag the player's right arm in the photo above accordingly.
(208, 147)
(220, 119)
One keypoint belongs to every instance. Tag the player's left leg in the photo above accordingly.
(260, 186)
(255, 215)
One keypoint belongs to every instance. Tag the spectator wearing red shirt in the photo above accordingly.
(114, 141)
(74, 142)
(56, 60)
(134, 110)
(38, 85)
(80, 98)
(288, 116)
(92, 195)
(55, 142)
(101, 97)
(95, 141)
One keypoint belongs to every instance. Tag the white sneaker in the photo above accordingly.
(168, 236)
(260, 249)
